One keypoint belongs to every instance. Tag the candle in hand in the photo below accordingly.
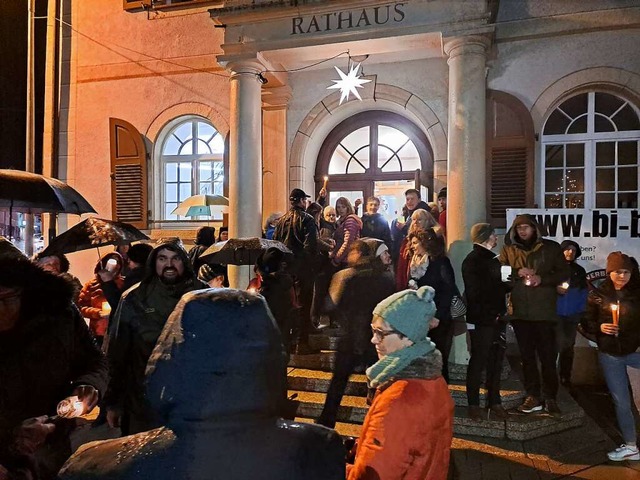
(106, 308)
(326, 179)
(615, 312)
(565, 286)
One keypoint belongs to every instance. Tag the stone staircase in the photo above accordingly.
(309, 377)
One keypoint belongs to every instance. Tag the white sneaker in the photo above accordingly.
(624, 452)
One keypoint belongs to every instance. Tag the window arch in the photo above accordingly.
(375, 153)
(590, 153)
(191, 162)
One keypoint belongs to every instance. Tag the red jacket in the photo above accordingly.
(90, 303)
(407, 433)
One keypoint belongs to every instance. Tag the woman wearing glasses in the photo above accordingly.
(408, 429)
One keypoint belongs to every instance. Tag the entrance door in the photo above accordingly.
(375, 153)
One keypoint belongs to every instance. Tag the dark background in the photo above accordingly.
(13, 82)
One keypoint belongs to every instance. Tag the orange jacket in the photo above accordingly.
(90, 303)
(407, 433)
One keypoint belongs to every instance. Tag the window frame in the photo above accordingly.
(589, 140)
(159, 170)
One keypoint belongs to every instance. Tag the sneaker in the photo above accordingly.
(551, 407)
(530, 404)
(624, 452)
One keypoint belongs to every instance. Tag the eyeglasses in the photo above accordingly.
(380, 334)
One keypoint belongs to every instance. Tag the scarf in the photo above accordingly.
(418, 266)
(390, 365)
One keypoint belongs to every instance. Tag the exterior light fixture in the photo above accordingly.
(348, 84)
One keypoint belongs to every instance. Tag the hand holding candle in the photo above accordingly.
(615, 313)
(326, 180)
(105, 311)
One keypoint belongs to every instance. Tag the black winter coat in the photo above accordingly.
(42, 360)
(598, 312)
(218, 379)
(440, 276)
(299, 232)
(483, 287)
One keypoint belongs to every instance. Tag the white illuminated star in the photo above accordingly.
(348, 83)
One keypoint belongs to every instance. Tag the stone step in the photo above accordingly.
(325, 361)
(518, 426)
(307, 380)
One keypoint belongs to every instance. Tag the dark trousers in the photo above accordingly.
(302, 325)
(488, 344)
(537, 341)
(566, 338)
(442, 336)
(347, 358)
(321, 288)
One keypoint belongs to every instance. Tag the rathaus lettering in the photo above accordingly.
(366, 17)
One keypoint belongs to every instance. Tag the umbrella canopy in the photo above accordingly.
(197, 205)
(240, 251)
(32, 193)
(92, 233)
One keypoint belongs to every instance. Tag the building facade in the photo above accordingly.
(510, 104)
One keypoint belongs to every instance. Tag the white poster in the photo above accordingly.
(598, 232)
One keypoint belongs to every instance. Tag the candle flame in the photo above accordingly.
(106, 307)
(614, 307)
(326, 177)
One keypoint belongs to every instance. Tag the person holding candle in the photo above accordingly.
(613, 316)
(572, 302)
(92, 299)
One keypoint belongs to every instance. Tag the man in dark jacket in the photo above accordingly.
(538, 267)
(401, 225)
(354, 293)
(374, 225)
(485, 293)
(218, 379)
(141, 315)
(298, 231)
(47, 355)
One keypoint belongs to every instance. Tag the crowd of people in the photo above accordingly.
(214, 361)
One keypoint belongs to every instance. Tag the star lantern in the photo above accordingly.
(348, 83)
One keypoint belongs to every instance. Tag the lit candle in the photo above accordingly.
(106, 308)
(527, 281)
(615, 312)
(252, 290)
(70, 407)
(565, 286)
(326, 180)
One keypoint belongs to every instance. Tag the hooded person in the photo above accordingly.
(92, 299)
(217, 377)
(398, 440)
(538, 267)
(47, 355)
(141, 315)
(572, 302)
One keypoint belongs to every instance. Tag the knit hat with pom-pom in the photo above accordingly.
(409, 312)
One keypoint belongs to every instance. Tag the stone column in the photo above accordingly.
(466, 171)
(275, 196)
(245, 159)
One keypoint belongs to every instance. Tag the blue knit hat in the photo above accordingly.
(409, 312)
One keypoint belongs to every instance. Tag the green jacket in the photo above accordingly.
(546, 258)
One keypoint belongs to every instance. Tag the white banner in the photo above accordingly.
(598, 232)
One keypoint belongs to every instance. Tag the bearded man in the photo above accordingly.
(136, 326)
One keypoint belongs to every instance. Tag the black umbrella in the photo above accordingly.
(32, 193)
(93, 233)
(240, 251)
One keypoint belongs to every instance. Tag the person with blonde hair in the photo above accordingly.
(420, 221)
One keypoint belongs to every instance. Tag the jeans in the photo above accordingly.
(537, 341)
(619, 372)
(488, 344)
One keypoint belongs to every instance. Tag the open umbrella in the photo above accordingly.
(32, 193)
(92, 233)
(240, 251)
(197, 205)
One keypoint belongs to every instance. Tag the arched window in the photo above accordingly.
(375, 153)
(191, 163)
(590, 151)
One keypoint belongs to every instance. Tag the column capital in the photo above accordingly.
(467, 44)
(276, 97)
(242, 65)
